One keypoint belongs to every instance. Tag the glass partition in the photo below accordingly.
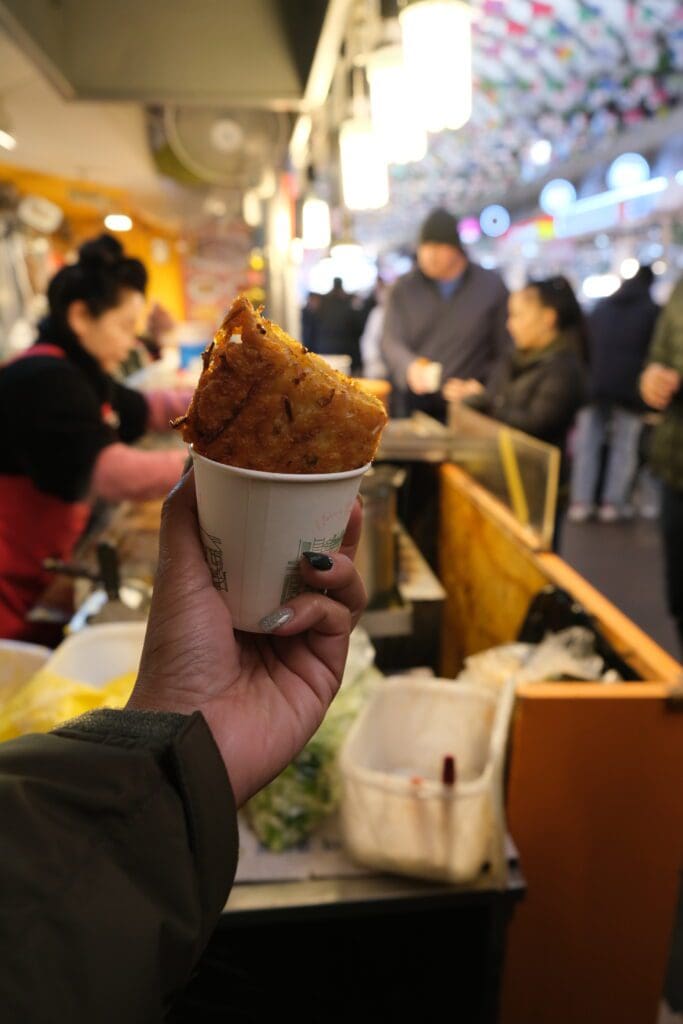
(520, 471)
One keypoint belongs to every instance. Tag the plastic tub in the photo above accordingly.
(100, 653)
(396, 813)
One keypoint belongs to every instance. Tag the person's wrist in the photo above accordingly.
(150, 697)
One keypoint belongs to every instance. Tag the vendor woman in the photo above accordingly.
(66, 424)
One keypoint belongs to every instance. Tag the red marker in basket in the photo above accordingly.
(448, 772)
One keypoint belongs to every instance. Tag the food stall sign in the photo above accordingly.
(608, 209)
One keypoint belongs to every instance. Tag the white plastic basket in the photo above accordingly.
(396, 813)
(97, 654)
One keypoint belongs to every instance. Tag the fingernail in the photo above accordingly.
(276, 619)
(321, 562)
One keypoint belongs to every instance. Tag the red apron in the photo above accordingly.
(33, 526)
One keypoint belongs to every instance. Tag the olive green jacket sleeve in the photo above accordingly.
(666, 448)
(118, 838)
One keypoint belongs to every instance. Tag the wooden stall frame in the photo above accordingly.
(594, 799)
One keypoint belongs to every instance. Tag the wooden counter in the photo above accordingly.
(594, 789)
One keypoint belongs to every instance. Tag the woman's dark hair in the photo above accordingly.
(99, 276)
(556, 293)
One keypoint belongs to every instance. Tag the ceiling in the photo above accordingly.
(255, 54)
(111, 93)
(594, 77)
(117, 93)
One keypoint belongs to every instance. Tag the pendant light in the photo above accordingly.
(315, 216)
(394, 107)
(437, 48)
(365, 176)
(316, 230)
(364, 170)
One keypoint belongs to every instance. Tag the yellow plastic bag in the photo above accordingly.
(47, 700)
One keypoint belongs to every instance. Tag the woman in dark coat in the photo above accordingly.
(539, 387)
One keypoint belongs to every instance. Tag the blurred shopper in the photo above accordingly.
(448, 311)
(660, 386)
(338, 325)
(309, 321)
(374, 366)
(541, 385)
(619, 334)
(66, 424)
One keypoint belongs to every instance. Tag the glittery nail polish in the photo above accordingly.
(319, 561)
(276, 619)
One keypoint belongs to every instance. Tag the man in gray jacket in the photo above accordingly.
(448, 311)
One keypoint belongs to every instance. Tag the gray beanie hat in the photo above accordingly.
(441, 226)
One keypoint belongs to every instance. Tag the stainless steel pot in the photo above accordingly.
(376, 557)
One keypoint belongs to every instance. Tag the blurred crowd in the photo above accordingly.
(604, 387)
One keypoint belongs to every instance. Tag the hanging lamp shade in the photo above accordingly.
(394, 107)
(365, 176)
(437, 47)
(315, 217)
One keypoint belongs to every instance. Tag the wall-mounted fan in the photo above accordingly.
(229, 147)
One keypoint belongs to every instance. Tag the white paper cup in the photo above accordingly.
(256, 526)
(432, 372)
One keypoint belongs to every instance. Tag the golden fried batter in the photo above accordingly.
(267, 403)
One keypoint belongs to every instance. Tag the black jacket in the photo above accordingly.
(337, 327)
(537, 392)
(118, 850)
(620, 331)
(51, 416)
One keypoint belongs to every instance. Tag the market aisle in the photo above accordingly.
(624, 562)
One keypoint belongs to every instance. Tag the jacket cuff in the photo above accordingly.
(187, 753)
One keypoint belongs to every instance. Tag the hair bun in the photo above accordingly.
(101, 252)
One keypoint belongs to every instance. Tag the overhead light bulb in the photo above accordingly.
(540, 152)
(628, 169)
(629, 268)
(600, 286)
(315, 218)
(556, 196)
(252, 211)
(494, 220)
(394, 107)
(118, 222)
(437, 47)
(7, 140)
(365, 176)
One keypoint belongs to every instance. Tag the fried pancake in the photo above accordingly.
(265, 402)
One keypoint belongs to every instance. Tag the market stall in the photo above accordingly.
(590, 799)
(589, 767)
